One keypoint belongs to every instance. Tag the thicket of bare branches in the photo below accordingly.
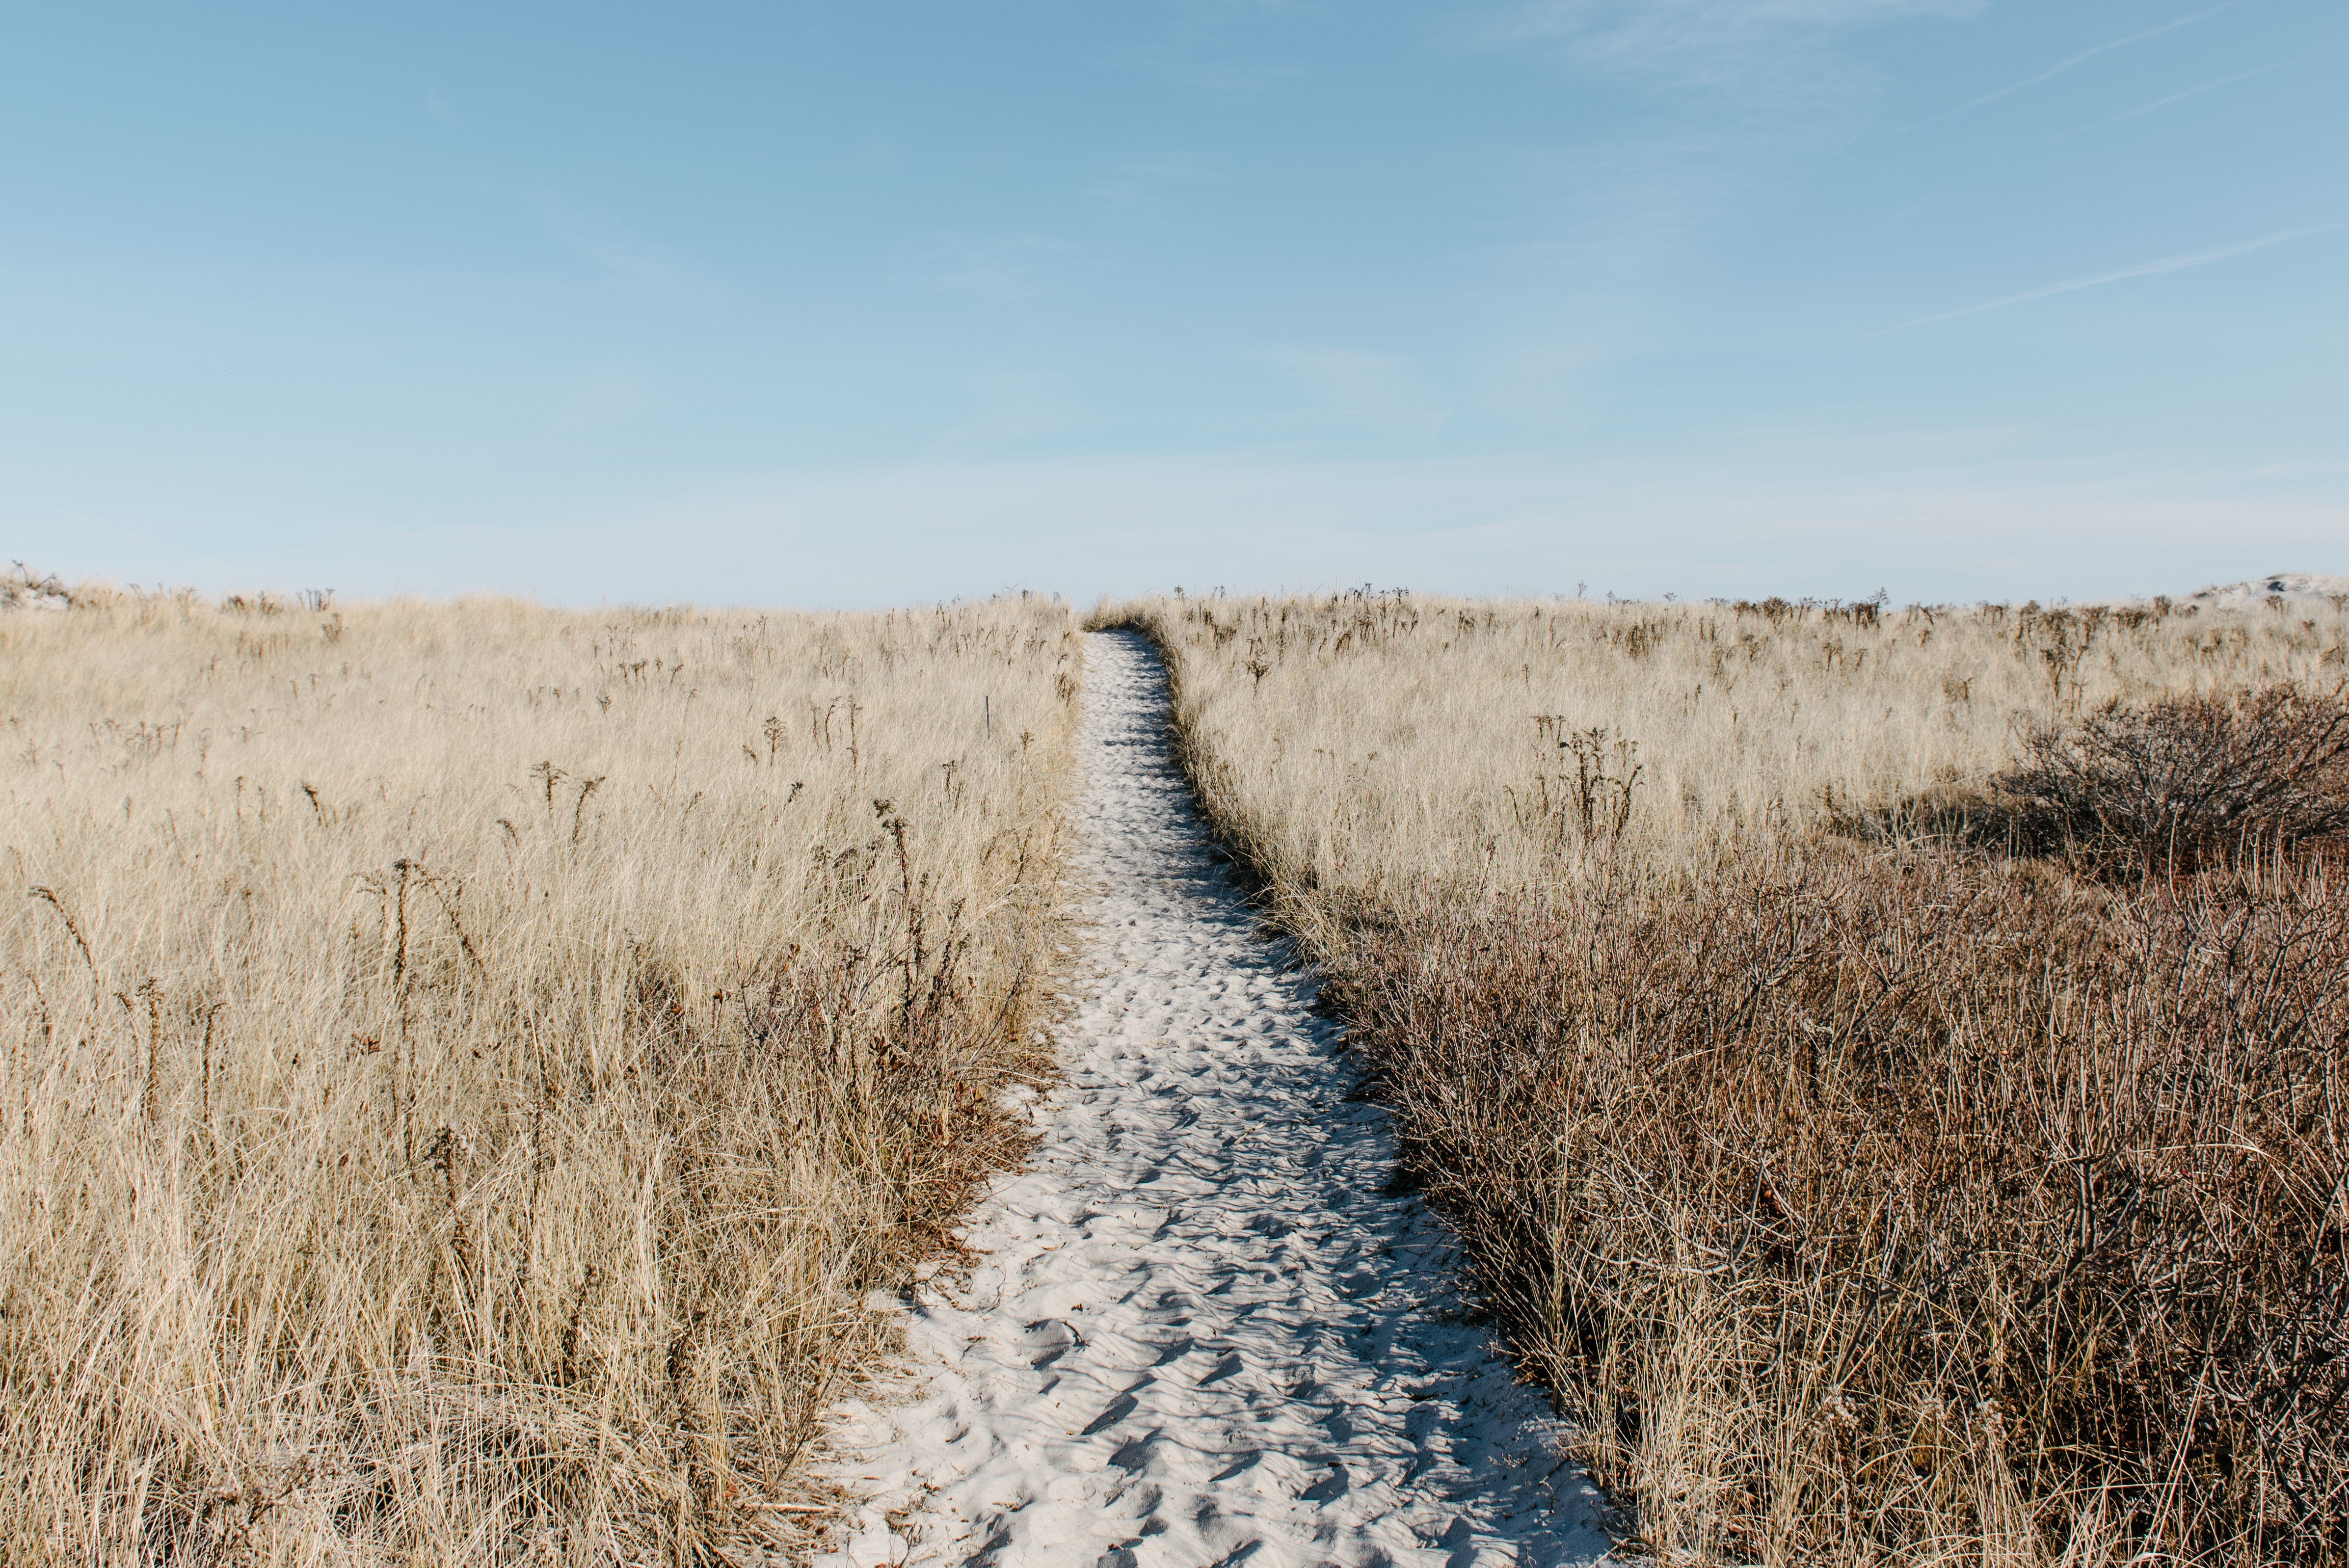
(1870, 1204)
(1871, 1197)
(2183, 781)
(461, 1066)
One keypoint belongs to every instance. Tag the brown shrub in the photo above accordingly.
(2172, 785)
(1867, 1204)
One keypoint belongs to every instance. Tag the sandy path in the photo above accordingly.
(1203, 1333)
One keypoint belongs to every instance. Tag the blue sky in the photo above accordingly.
(860, 304)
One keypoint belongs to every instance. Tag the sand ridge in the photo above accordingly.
(1204, 1331)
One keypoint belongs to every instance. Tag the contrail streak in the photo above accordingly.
(2058, 69)
(2143, 269)
(2175, 98)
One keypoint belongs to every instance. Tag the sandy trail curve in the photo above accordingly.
(1204, 1332)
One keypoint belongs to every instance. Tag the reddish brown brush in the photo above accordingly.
(1866, 1203)
(2167, 786)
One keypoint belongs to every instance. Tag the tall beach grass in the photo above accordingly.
(462, 1064)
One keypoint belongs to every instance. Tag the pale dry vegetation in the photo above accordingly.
(1407, 742)
(462, 1064)
(1887, 1065)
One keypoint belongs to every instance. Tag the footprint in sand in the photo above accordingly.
(1205, 1331)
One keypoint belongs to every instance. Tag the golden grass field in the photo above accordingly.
(1886, 1065)
(462, 1063)
(1384, 744)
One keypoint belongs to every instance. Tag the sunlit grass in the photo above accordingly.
(461, 1064)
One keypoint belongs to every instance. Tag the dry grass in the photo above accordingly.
(1871, 1196)
(1381, 744)
(461, 1065)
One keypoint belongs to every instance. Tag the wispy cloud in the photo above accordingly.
(1772, 515)
(1709, 39)
(600, 399)
(997, 269)
(2057, 70)
(636, 263)
(1233, 76)
(2142, 270)
(1770, 75)
(1215, 45)
(1630, 28)
(440, 110)
(2159, 103)
(1148, 183)
(1367, 390)
(1008, 408)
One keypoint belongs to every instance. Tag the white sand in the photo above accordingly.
(2294, 588)
(19, 594)
(1203, 1332)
